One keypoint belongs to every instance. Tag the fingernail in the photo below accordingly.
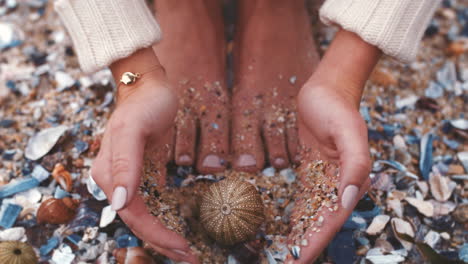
(279, 162)
(180, 252)
(349, 196)
(212, 161)
(246, 160)
(185, 160)
(119, 197)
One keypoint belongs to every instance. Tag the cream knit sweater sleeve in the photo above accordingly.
(394, 26)
(104, 31)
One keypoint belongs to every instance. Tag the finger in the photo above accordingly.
(128, 145)
(353, 151)
(100, 169)
(149, 228)
(332, 223)
(138, 219)
(175, 255)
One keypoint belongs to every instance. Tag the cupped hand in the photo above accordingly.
(144, 113)
(331, 126)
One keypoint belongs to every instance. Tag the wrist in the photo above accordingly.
(346, 66)
(143, 62)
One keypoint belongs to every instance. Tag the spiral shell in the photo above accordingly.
(57, 211)
(15, 252)
(232, 211)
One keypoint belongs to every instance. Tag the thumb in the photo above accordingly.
(127, 144)
(353, 150)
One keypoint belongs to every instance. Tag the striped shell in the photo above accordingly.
(232, 211)
(15, 252)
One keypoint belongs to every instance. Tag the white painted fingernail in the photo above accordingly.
(349, 196)
(180, 252)
(119, 198)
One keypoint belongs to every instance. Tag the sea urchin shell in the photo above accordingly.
(232, 211)
(15, 252)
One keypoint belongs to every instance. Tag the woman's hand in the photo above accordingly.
(144, 114)
(331, 125)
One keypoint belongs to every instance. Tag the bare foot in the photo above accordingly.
(274, 55)
(193, 54)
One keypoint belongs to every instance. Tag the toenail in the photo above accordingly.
(246, 160)
(185, 159)
(280, 162)
(212, 161)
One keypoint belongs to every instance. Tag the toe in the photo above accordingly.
(292, 138)
(275, 140)
(214, 141)
(185, 138)
(155, 159)
(246, 141)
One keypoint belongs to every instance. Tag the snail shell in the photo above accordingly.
(231, 211)
(57, 211)
(132, 255)
(15, 252)
(63, 177)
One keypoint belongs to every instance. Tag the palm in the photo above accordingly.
(328, 126)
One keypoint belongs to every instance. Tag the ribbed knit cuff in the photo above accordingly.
(104, 31)
(394, 26)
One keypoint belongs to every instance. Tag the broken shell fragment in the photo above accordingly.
(378, 224)
(57, 211)
(296, 252)
(232, 211)
(424, 207)
(132, 255)
(41, 143)
(441, 187)
(403, 227)
(63, 177)
(15, 252)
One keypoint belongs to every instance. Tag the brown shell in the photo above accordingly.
(63, 177)
(232, 211)
(132, 255)
(57, 211)
(15, 252)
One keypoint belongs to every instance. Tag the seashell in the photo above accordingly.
(442, 208)
(425, 156)
(132, 255)
(461, 124)
(231, 211)
(381, 181)
(461, 213)
(403, 227)
(378, 224)
(41, 143)
(463, 158)
(441, 187)
(424, 207)
(107, 216)
(17, 186)
(63, 177)
(296, 252)
(15, 252)
(57, 211)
